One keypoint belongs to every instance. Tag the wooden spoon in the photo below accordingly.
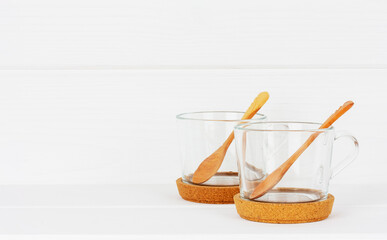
(272, 180)
(211, 164)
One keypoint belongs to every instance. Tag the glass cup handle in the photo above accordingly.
(350, 157)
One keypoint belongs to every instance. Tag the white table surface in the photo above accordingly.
(158, 212)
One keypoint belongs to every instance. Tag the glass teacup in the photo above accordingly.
(202, 133)
(262, 147)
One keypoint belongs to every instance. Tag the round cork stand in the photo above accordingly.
(206, 194)
(284, 212)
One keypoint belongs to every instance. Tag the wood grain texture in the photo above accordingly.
(151, 33)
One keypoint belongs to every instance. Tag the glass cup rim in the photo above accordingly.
(182, 116)
(244, 127)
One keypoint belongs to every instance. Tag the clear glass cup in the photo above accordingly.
(202, 133)
(263, 146)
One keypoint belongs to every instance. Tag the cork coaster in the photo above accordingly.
(206, 194)
(284, 212)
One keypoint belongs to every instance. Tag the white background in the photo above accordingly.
(108, 77)
(89, 91)
(118, 126)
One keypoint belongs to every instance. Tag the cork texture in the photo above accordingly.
(284, 212)
(206, 194)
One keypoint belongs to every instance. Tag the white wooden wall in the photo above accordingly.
(89, 89)
(129, 33)
(118, 126)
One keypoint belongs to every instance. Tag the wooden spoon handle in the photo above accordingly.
(257, 104)
(336, 115)
(339, 112)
